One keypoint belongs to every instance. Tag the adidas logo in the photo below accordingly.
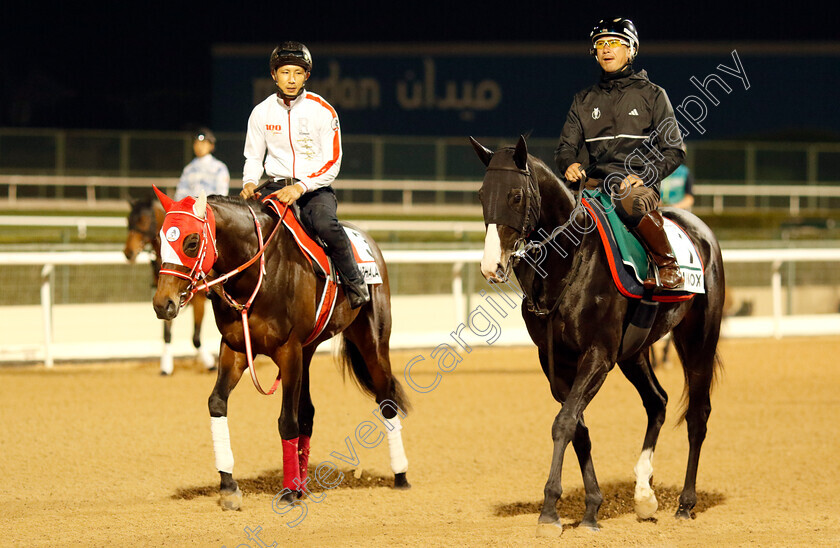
(634, 112)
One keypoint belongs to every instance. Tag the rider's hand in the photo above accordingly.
(574, 173)
(288, 194)
(631, 181)
(247, 191)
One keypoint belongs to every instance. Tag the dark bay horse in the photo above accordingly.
(222, 234)
(576, 317)
(144, 222)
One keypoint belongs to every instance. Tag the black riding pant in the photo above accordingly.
(318, 216)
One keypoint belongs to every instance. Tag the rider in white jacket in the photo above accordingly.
(300, 132)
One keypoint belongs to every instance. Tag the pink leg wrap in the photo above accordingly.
(303, 458)
(291, 469)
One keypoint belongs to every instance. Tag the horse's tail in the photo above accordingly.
(351, 359)
(696, 340)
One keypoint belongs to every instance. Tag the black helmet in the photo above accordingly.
(623, 28)
(291, 53)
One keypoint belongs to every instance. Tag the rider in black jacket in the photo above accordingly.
(632, 139)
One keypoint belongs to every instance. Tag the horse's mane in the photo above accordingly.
(237, 201)
(545, 173)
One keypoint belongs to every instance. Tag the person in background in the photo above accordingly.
(676, 189)
(209, 174)
(204, 172)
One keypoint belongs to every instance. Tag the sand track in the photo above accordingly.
(112, 454)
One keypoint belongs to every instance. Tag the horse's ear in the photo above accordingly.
(520, 153)
(484, 153)
(165, 200)
(200, 206)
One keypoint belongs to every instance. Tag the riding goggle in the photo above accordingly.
(611, 42)
(293, 53)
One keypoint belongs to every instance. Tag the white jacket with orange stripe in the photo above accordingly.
(303, 141)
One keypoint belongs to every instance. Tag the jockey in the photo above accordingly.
(632, 139)
(300, 132)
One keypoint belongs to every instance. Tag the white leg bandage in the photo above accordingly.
(399, 462)
(166, 363)
(644, 497)
(206, 357)
(221, 444)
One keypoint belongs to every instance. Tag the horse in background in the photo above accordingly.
(576, 317)
(144, 222)
(270, 307)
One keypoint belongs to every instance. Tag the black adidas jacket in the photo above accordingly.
(620, 117)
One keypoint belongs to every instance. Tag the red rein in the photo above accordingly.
(196, 275)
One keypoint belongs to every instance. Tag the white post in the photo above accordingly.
(794, 205)
(777, 299)
(458, 292)
(46, 312)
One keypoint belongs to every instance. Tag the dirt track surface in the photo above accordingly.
(113, 455)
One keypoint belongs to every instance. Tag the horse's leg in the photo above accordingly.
(306, 415)
(592, 368)
(583, 449)
(232, 364)
(367, 351)
(198, 305)
(289, 359)
(167, 365)
(640, 373)
(695, 339)
(594, 498)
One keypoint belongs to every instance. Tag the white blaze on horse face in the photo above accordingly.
(645, 499)
(491, 260)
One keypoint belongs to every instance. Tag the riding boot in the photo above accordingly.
(651, 232)
(352, 278)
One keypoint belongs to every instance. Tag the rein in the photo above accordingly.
(196, 275)
(243, 308)
(530, 246)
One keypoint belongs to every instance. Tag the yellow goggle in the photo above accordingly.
(611, 42)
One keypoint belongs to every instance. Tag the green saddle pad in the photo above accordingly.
(632, 253)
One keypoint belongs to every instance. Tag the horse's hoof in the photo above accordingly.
(400, 481)
(230, 500)
(646, 504)
(289, 496)
(549, 530)
(683, 513)
(591, 525)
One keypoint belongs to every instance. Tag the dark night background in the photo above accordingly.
(133, 66)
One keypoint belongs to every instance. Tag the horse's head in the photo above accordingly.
(187, 250)
(142, 228)
(510, 200)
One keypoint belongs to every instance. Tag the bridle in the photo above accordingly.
(199, 281)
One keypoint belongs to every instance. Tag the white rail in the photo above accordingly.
(795, 191)
(83, 223)
(457, 257)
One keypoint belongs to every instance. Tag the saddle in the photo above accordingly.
(313, 248)
(628, 261)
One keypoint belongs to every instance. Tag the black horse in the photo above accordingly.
(576, 317)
